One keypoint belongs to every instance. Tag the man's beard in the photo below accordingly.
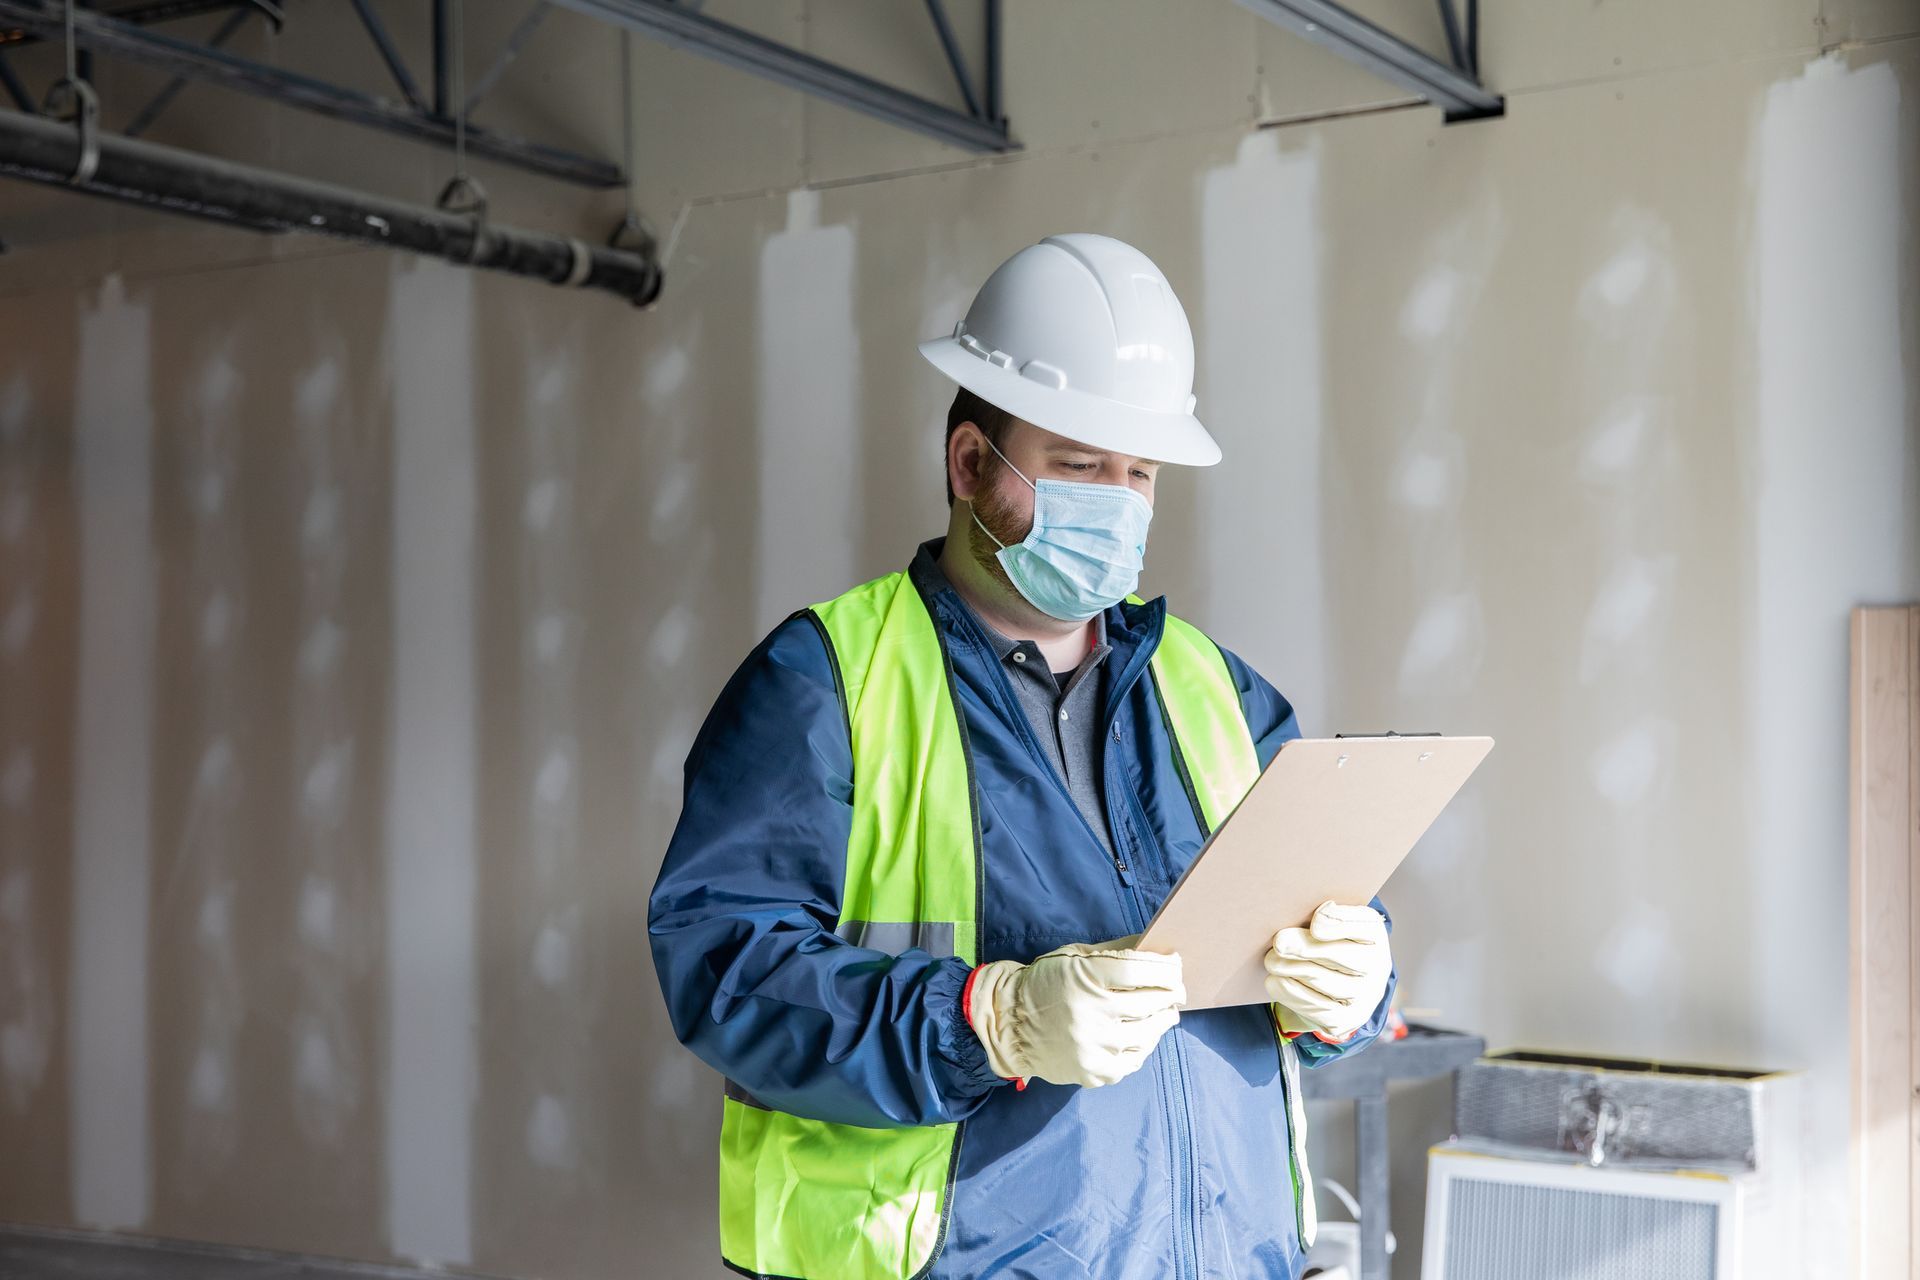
(999, 515)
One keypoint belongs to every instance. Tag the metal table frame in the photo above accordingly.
(1426, 1052)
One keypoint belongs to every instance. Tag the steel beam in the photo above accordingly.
(1450, 22)
(15, 87)
(1330, 25)
(42, 150)
(162, 11)
(151, 112)
(516, 45)
(396, 65)
(678, 25)
(107, 35)
(174, 10)
(956, 60)
(443, 55)
(993, 61)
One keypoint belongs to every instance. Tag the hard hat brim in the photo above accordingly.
(1092, 420)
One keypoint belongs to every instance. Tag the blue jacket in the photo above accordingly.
(1179, 1170)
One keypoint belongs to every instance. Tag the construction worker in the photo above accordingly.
(926, 819)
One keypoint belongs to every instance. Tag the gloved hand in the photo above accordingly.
(1080, 1014)
(1328, 977)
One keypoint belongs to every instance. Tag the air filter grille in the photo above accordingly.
(1513, 1231)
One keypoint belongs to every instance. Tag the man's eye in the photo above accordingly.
(1078, 466)
(1141, 475)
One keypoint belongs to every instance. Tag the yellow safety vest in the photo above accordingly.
(813, 1200)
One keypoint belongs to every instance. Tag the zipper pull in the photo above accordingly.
(1120, 865)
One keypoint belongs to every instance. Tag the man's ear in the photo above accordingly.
(966, 451)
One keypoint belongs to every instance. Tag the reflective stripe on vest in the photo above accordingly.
(811, 1199)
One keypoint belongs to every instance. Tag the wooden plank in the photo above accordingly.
(1913, 940)
(1884, 953)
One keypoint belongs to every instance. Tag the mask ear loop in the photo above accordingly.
(983, 528)
(1009, 461)
(975, 512)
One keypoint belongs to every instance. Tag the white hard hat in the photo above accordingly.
(1081, 334)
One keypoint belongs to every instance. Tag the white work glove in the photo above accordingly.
(1328, 977)
(1080, 1014)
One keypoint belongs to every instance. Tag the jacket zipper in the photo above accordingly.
(1179, 1055)
(1173, 1091)
(1170, 1071)
(1174, 1078)
(1120, 836)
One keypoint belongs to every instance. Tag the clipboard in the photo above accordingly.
(1327, 818)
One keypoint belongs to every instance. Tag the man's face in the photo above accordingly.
(1003, 501)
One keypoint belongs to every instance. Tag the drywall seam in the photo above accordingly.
(431, 768)
(111, 1151)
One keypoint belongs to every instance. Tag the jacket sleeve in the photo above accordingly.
(1270, 716)
(742, 917)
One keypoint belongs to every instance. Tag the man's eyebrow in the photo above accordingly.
(1074, 449)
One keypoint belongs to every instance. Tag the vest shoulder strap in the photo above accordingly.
(1203, 706)
(912, 856)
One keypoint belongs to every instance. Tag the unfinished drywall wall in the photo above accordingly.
(356, 613)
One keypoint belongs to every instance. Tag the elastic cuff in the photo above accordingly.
(958, 1045)
(966, 1011)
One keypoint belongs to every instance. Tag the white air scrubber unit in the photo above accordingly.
(1580, 1168)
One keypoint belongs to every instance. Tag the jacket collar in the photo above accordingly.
(1132, 629)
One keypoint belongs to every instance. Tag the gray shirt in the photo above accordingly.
(1063, 708)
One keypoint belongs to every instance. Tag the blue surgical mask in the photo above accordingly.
(1085, 549)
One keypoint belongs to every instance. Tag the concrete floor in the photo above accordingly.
(38, 1254)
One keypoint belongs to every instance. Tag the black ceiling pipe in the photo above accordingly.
(44, 150)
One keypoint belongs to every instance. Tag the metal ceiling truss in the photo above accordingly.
(62, 144)
(171, 90)
(436, 122)
(1455, 88)
(980, 128)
